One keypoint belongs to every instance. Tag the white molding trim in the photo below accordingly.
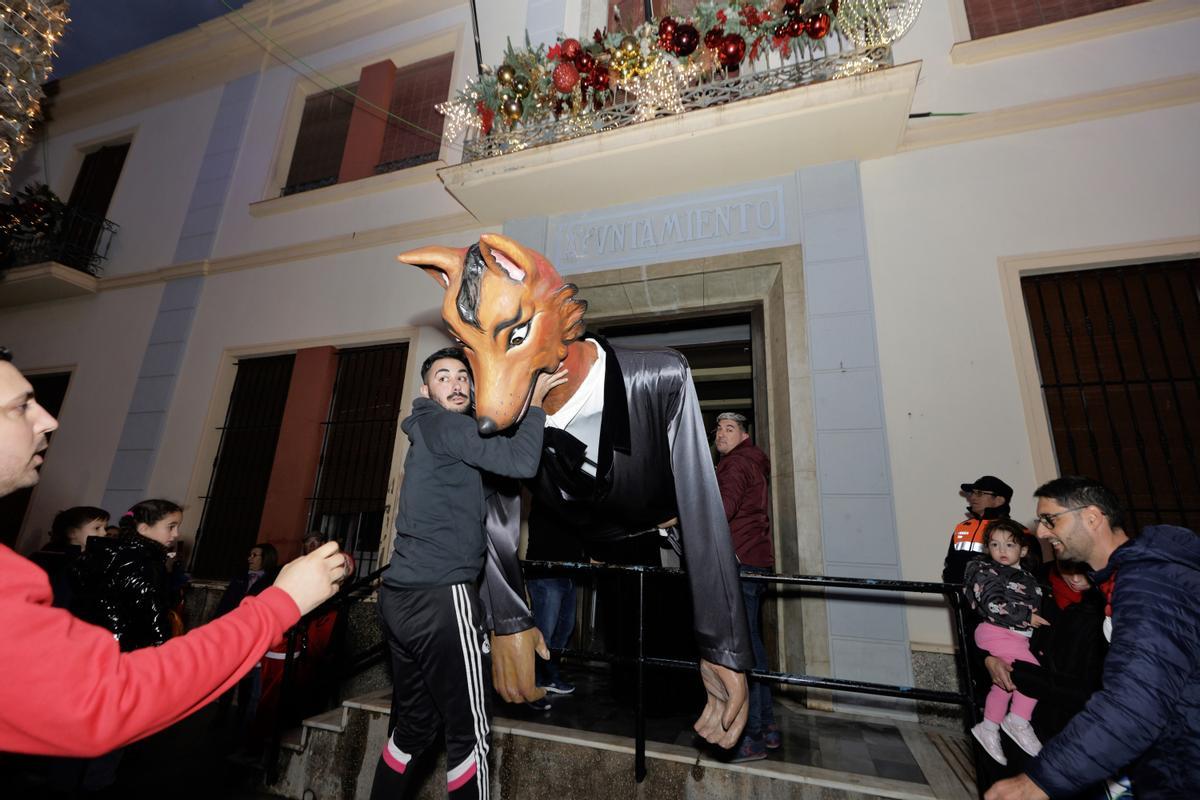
(1070, 31)
(333, 245)
(1012, 269)
(1182, 90)
(424, 173)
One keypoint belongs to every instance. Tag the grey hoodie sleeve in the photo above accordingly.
(515, 456)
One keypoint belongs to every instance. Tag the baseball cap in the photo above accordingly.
(990, 483)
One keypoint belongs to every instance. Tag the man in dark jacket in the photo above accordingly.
(743, 474)
(429, 604)
(1145, 722)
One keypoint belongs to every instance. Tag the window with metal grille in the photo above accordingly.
(321, 139)
(356, 458)
(238, 489)
(1118, 350)
(625, 15)
(50, 390)
(416, 89)
(993, 17)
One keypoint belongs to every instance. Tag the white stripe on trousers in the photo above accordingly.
(473, 661)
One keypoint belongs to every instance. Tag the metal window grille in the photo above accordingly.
(356, 458)
(989, 18)
(237, 490)
(415, 91)
(321, 139)
(1118, 350)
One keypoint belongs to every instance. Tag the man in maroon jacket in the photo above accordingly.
(743, 473)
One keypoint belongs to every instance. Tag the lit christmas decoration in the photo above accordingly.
(660, 89)
(874, 23)
(28, 33)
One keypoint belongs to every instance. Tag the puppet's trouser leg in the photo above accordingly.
(441, 677)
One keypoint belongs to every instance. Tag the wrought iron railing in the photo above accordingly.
(75, 239)
(770, 73)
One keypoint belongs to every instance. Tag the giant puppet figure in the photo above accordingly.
(633, 455)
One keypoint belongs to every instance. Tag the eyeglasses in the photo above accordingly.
(1048, 519)
(980, 493)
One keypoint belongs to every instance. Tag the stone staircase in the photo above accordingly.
(332, 756)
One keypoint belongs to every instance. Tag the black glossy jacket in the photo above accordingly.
(121, 584)
(653, 464)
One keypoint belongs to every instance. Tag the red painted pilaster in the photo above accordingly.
(298, 454)
(368, 122)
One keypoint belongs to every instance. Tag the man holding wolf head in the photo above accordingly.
(431, 616)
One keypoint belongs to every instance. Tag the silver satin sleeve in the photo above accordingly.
(502, 589)
(722, 633)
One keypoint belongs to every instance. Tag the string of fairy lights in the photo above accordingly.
(28, 32)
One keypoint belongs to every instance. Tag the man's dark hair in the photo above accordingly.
(446, 352)
(5, 353)
(72, 518)
(1075, 491)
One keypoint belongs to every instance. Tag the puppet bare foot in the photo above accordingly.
(725, 715)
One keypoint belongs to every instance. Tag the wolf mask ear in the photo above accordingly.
(443, 264)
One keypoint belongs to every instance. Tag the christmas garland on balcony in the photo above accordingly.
(657, 60)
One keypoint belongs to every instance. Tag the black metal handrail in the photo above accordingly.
(75, 238)
(354, 593)
(951, 592)
(347, 596)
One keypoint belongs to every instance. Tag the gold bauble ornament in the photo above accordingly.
(505, 74)
(520, 86)
(628, 45)
(511, 109)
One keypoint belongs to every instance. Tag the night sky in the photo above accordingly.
(103, 29)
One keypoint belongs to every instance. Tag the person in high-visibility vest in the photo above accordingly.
(987, 500)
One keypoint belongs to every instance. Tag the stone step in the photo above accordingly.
(533, 759)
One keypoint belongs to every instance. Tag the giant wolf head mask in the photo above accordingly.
(513, 314)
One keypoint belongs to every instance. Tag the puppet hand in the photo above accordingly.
(512, 665)
(724, 717)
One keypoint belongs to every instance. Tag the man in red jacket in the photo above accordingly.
(742, 474)
(67, 689)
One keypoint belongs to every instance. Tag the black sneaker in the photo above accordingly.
(559, 687)
(541, 704)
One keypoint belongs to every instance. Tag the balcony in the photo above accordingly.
(60, 256)
(775, 115)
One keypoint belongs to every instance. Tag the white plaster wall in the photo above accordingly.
(937, 221)
(252, 181)
(151, 199)
(100, 340)
(273, 308)
(1126, 59)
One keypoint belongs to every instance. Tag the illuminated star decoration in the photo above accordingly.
(28, 33)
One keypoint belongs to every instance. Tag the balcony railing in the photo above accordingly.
(771, 72)
(74, 238)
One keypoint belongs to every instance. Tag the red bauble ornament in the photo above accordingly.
(781, 30)
(571, 49)
(565, 77)
(712, 39)
(685, 40)
(731, 51)
(486, 118)
(666, 33)
(791, 9)
(795, 27)
(817, 25)
(833, 7)
(585, 63)
(600, 79)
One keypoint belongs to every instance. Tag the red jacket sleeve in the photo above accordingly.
(66, 689)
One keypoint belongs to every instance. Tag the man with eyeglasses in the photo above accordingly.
(987, 500)
(1145, 721)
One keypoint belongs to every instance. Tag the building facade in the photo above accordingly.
(252, 340)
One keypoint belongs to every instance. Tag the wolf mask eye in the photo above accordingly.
(518, 335)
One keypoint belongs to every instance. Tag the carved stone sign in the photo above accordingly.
(735, 221)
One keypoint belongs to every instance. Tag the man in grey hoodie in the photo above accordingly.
(441, 675)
